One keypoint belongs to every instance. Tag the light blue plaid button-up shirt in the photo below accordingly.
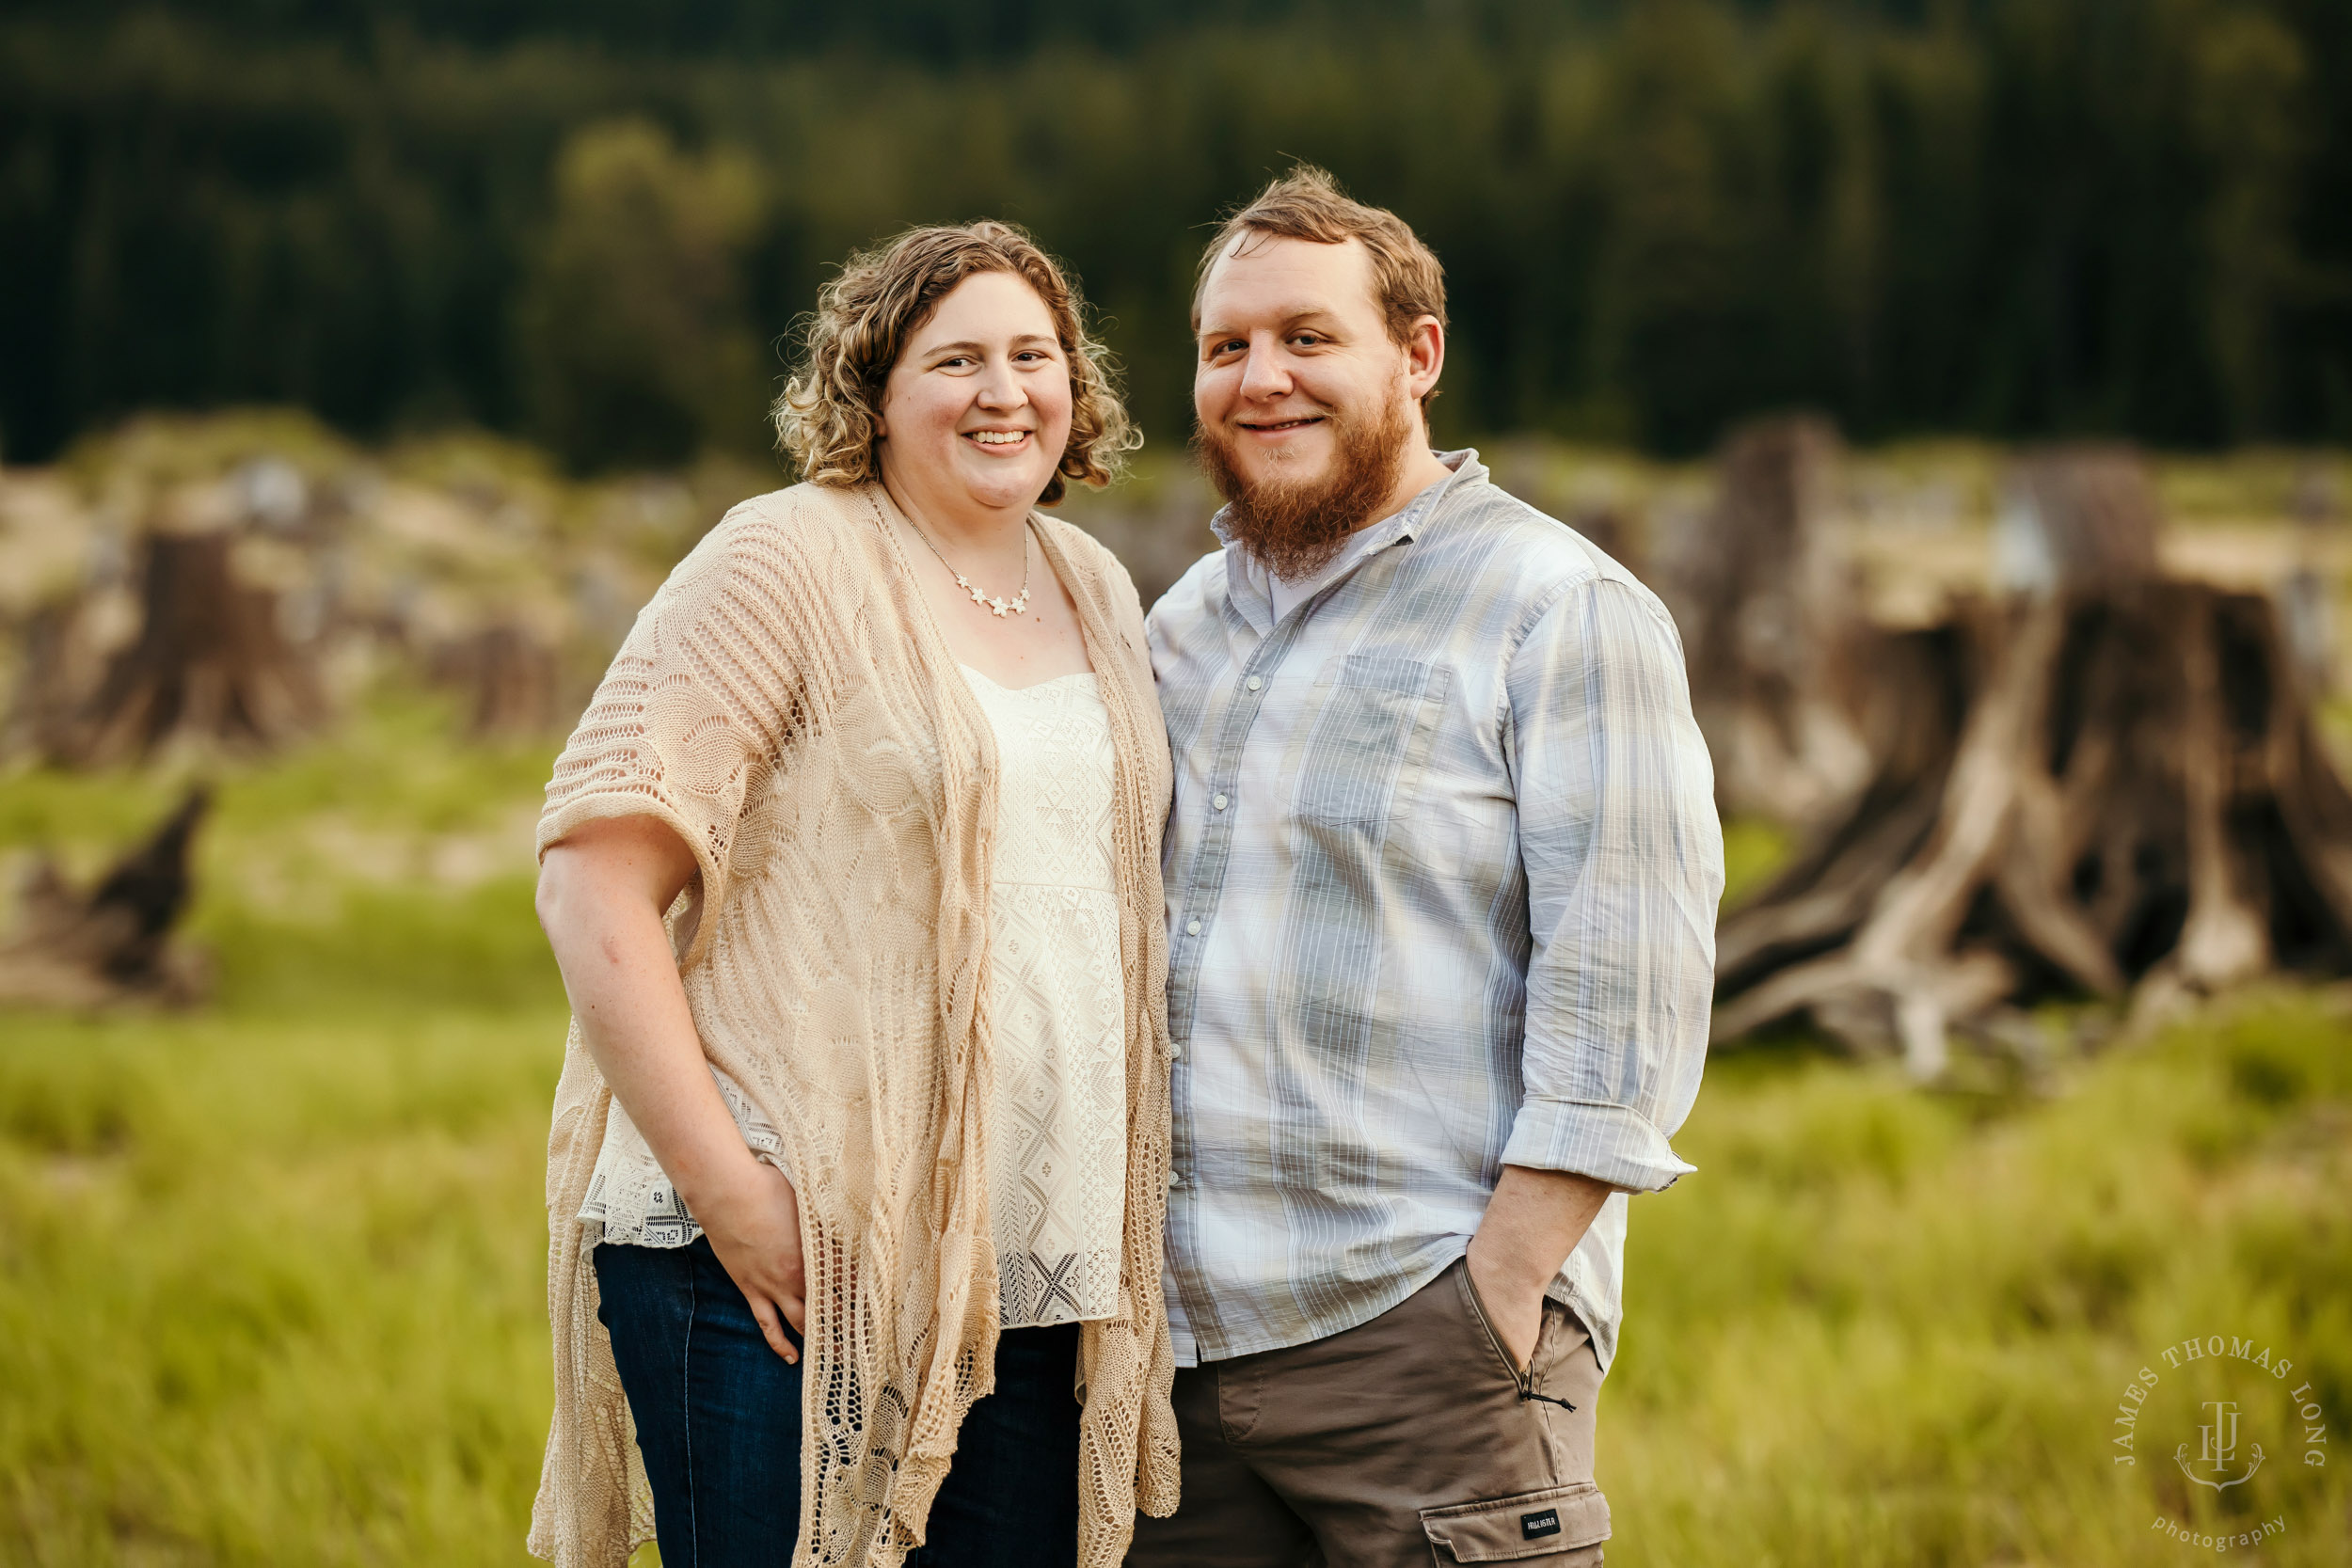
(1442, 870)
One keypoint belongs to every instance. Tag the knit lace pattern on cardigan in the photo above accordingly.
(786, 703)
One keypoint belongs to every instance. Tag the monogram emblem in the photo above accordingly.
(2219, 1447)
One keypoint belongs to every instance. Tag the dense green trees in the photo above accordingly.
(2019, 216)
(632, 340)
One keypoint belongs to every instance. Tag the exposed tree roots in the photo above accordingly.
(113, 942)
(2098, 790)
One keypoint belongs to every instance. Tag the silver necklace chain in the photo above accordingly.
(998, 607)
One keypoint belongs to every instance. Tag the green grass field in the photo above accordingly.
(271, 1271)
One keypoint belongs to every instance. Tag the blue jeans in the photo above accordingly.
(718, 1419)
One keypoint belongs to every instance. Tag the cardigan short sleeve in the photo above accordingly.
(694, 707)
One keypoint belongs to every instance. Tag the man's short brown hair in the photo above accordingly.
(827, 419)
(1308, 204)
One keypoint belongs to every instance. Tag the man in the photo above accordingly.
(1442, 869)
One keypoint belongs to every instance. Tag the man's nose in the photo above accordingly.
(1264, 375)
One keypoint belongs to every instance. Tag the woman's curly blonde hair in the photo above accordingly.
(832, 403)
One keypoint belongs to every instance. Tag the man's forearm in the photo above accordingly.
(1533, 1222)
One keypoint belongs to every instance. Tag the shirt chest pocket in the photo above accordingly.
(1376, 721)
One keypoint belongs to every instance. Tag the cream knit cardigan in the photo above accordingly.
(786, 703)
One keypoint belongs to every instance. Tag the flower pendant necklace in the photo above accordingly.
(998, 607)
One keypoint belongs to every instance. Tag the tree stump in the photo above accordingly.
(2108, 787)
(209, 662)
(508, 679)
(1770, 633)
(2083, 519)
(113, 943)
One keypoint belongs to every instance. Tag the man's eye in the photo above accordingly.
(1231, 345)
(1308, 338)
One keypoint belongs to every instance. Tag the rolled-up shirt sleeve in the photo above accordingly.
(1625, 868)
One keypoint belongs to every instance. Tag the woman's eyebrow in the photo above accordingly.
(971, 347)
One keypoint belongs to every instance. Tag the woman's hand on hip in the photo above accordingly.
(754, 1223)
(602, 891)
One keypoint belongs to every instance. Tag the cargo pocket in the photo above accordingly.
(1531, 1527)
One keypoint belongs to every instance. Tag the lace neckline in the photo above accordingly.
(1033, 686)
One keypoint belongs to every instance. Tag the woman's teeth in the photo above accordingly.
(997, 437)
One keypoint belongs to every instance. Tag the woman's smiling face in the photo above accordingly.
(975, 413)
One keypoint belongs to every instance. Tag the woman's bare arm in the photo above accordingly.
(602, 892)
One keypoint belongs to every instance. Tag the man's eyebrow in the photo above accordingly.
(1296, 317)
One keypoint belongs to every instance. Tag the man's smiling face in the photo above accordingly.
(1292, 343)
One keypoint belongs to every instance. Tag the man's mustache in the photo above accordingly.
(1295, 526)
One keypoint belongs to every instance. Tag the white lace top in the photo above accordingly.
(1058, 1154)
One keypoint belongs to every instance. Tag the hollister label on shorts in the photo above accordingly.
(1532, 1526)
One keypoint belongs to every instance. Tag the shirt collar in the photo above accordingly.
(1250, 584)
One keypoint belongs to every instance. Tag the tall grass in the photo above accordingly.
(1885, 1327)
(269, 1290)
(271, 1279)
(270, 1272)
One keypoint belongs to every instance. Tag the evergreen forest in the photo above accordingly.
(593, 224)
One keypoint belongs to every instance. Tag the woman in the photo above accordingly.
(852, 871)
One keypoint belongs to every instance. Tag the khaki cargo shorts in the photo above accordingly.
(1407, 1440)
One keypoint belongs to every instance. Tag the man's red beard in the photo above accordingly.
(1297, 527)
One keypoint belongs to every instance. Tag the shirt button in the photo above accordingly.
(1174, 1049)
(1175, 1179)
(1254, 682)
(1192, 928)
(1219, 801)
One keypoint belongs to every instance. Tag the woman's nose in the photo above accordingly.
(999, 388)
